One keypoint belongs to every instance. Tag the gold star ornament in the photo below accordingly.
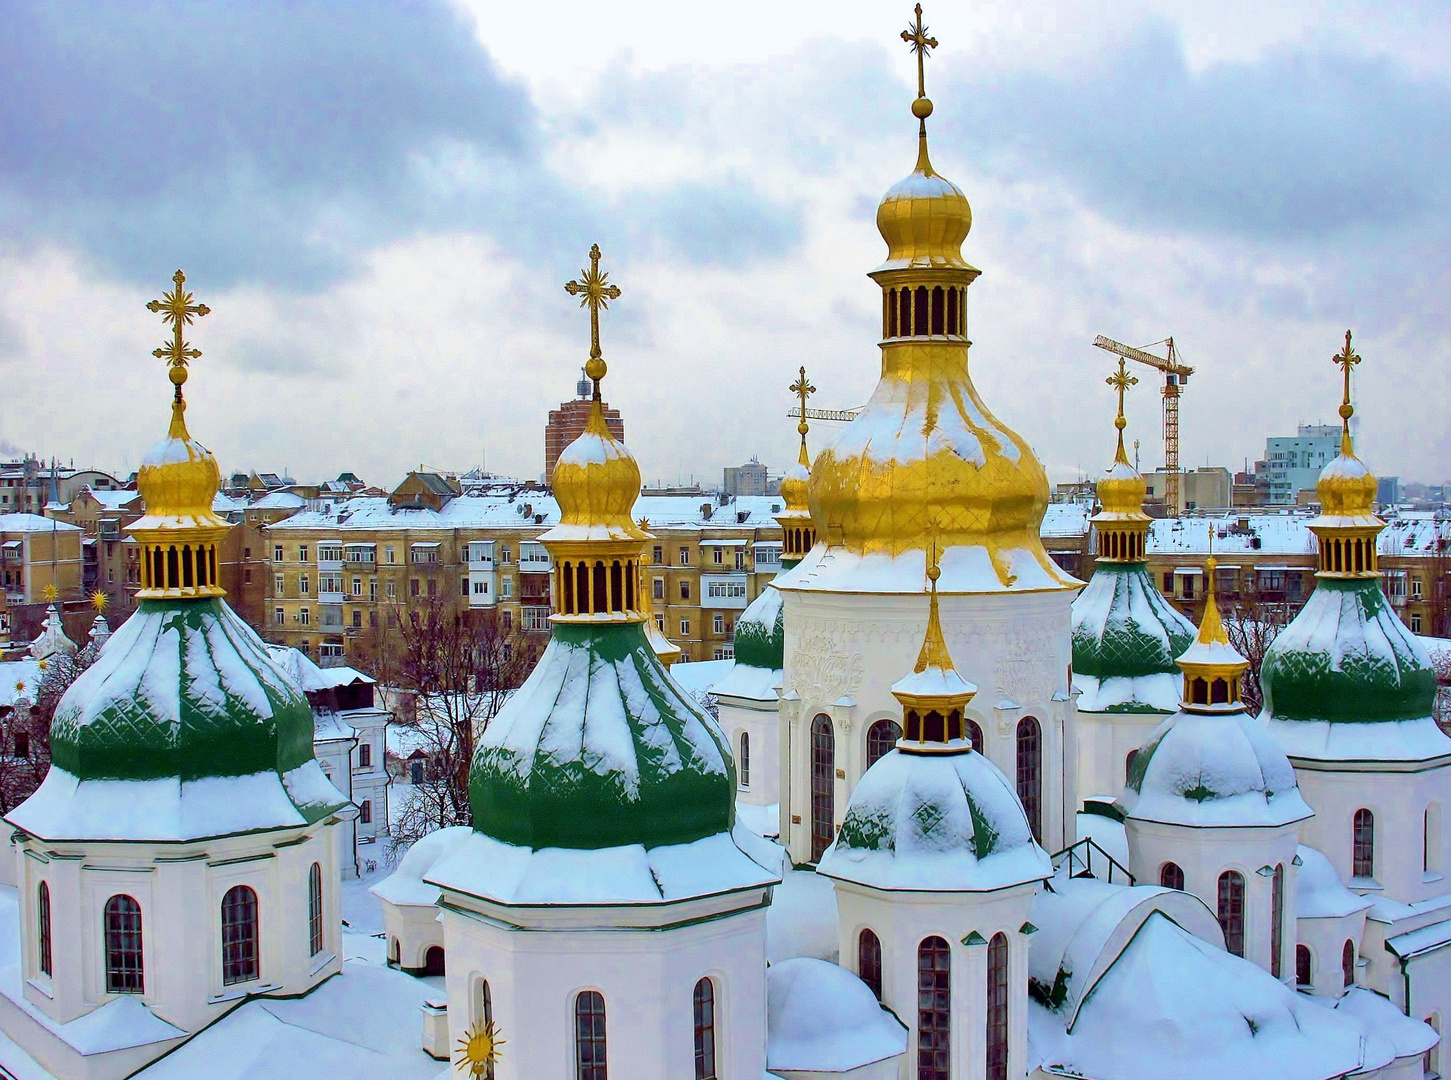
(478, 1050)
(51, 592)
(100, 601)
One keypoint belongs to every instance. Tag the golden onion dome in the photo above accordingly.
(924, 218)
(596, 482)
(1121, 490)
(1347, 488)
(179, 480)
(795, 488)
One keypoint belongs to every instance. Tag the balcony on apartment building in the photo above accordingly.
(534, 559)
(360, 555)
(329, 555)
(480, 555)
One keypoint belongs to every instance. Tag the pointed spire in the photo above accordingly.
(1212, 667)
(1346, 359)
(934, 695)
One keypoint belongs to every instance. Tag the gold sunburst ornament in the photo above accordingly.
(478, 1050)
(51, 592)
(100, 601)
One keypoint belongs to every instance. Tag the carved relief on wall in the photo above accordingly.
(824, 665)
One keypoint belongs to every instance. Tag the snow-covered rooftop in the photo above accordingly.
(820, 1018)
(31, 523)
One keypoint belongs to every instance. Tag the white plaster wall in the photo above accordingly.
(844, 651)
(1399, 801)
(1204, 854)
(1326, 938)
(412, 929)
(902, 920)
(647, 978)
(1104, 743)
(179, 888)
(761, 724)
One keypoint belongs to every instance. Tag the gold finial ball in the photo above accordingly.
(595, 369)
(1346, 410)
(934, 572)
(922, 108)
(1120, 423)
(802, 428)
(177, 375)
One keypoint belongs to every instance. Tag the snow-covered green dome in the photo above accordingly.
(1125, 636)
(1347, 657)
(761, 633)
(1212, 769)
(600, 748)
(935, 822)
(182, 728)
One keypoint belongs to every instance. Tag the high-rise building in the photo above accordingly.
(747, 479)
(566, 424)
(1295, 461)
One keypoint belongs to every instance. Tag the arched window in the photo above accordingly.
(997, 1007)
(1030, 773)
(934, 1010)
(125, 973)
(743, 764)
(434, 961)
(1129, 765)
(974, 734)
(484, 1016)
(939, 303)
(239, 935)
(1277, 918)
(1171, 876)
(919, 313)
(589, 1037)
(43, 918)
(1231, 910)
(869, 961)
(881, 737)
(823, 785)
(1362, 855)
(1347, 962)
(314, 908)
(1431, 839)
(704, 1003)
(889, 302)
(1302, 965)
(601, 588)
(1431, 1063)
(904, 323)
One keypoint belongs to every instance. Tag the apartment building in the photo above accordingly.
(36, 553)
(339, 573)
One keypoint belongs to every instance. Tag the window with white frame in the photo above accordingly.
(303, 585)
(726, 590)
(684, 627)
(357, 586)
(329, 553)
(506, 586)
(279, 585)
(276, 552)
(717, 624)
(304, 616)
(329, 582)
(279, 615)
(302, 553)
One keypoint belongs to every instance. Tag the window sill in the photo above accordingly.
(243, 990)
(323, 960)
(1366, 884)
(41, 988)
(1430, 877)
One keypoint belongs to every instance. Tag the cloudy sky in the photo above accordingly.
(382, 201)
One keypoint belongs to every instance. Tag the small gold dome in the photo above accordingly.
(924, 219)
(596, 482)
(1121, 490)
(179, 478)
(1346, 487)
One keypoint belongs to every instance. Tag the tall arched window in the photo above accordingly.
(743, 762)
(1431, 839)
(1302, 965)
(589, 1037)
(1347, 962)
(125, 973)
(1231, 910)
(484, 1016)
(974, 734)
(881, 737)
(43, 918)
(1129, 765)
(704, 1004)
(314, 908)
(239, 935)
(997, 1007)
(823, 785)
(869, 961)
(1362, 855)
(1171, 876)
(1277, 918)
(1030, 773)
(934, 1010)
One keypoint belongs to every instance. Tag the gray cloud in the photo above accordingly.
(1299, 145)
(279, 140)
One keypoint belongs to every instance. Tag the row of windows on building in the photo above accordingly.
(125, 955)
(529, 552)
(934, 1002)
(882, 736)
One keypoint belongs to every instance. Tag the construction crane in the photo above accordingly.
(1175, 376)
(826, 414)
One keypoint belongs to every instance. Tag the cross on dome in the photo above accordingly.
(1346, 359)
(595, 292)
(1121, 380)
(177, 309)
(803, 389)
(921, 45)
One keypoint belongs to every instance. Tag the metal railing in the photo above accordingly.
(1087, 859)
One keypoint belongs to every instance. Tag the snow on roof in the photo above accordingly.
(1172, 1004)
(308, 675)
(1068, 519)
(1159, 692)
(965, 569)
(699, 676)
(31, 523)
(361, 1025)
(802, 918)
(1319, 892)
(820, 1018)
(405, 885)
(745, 681)
(19, 678)
(276, 500)
(1426, 939)
(507, 874)
(1384, 740)
(1108, 833)
(1385, 1021)
(111, 499)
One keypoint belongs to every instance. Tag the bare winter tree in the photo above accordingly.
(1253, 623)
(452, 672)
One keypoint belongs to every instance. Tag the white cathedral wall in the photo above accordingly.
(179, 889)
(845, 650)
(1410, 858)
(1105, 741)
(759, 721)
(1206, 853)
(647, 978)
(1326, 938)
(903, 920)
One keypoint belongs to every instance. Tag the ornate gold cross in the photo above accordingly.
(916, 36)
(595, 292)
(176, 308)
(802, 389)
(1346, 359)
(1121, 380)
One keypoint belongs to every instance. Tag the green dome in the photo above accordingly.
(1124, 628)
(600, 748)
(185, 689)
(761, 632)
(1347, 657)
